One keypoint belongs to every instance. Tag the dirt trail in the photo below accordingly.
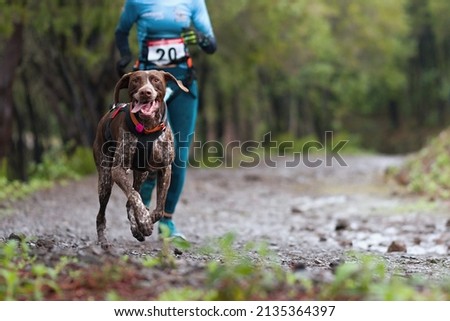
(307, 215)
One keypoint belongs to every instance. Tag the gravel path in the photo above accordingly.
(308, 215)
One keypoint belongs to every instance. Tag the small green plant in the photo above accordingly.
(243, 274)
(252, 272)
(233, 273)
(187, 294)
(367, 278)
(21, 278)
(166, 257)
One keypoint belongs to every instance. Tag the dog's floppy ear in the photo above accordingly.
(169, 76)
(121, 84)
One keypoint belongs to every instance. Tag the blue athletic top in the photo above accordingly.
(163, 19)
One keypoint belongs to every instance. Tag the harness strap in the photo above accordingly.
(145, 138)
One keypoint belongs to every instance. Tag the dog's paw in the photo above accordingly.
(145, 224)
(144, 221)
(105, 245)
(137, 234)
(141, 216)
(133, 224)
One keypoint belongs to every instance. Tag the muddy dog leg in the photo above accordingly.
(138, 179)
(104, 192)
(163, 183)
(122, 162)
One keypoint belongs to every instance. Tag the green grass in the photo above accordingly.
(254, 273)
(427, 172)
(230, 272)
(56, 166)
(21, 277)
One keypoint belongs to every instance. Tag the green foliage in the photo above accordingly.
(57, 165)
(428, 171)
(234, 274)
(78, 23)
(54, 166)
(166, 257)
(252, 273)
(81, 161)
(249, 272)
(187, 294)
(12, 12)
(15, 190)
(243, 274)
(366, 278)
(21, 277)
(291, 67)
(312, 61)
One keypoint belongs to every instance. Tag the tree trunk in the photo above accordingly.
(10, 56)
(17, 156)
(35, 122)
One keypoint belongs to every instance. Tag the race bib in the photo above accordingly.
(166, 51)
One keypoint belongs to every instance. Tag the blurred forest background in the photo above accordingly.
(376, 72)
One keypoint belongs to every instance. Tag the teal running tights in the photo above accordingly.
(182, 115)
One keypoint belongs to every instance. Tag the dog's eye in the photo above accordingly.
(156, 80)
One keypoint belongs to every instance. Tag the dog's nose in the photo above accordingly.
(146, 93)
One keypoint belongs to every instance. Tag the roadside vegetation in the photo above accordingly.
(427, 172)
(58, 166)
(250, 272)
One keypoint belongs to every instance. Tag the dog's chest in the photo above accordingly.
(145, 141)
(144, 151)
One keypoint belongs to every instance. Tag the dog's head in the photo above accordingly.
(146, 90)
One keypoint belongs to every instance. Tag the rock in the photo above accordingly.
(16, 237)
(334, 264)
(345, 243)
(177, 252)
(296, 210)
(430, 226)
(45, 243)
(297, 266)
(342, 224)
(402, 177)
(396, 246)
(252, 178)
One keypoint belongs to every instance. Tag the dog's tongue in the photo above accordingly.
(138, 106)
(145, 108)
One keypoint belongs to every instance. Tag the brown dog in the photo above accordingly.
(135, 136)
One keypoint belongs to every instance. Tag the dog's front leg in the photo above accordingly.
(163, 183)
(138, 179)
(104, 192)
(123, 158)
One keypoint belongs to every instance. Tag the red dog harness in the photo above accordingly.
(146, 137)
